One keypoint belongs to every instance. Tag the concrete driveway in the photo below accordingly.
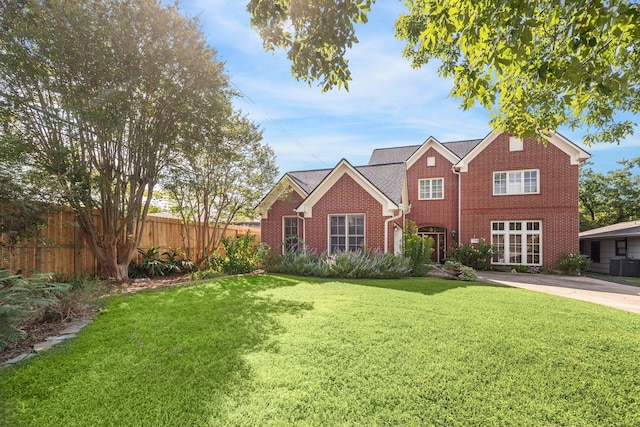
(623, 297)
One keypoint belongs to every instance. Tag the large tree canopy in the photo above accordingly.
(536, 65)
(610, 198)
(221, 175)
(98, 95)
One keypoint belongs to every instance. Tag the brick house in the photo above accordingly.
(520, 196)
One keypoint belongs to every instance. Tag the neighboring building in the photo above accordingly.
(521, 196)
(614, 249)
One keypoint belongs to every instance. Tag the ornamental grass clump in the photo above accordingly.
(352, 265)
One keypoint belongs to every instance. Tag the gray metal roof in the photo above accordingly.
(622, 229)
(387, 178)
(402, 154)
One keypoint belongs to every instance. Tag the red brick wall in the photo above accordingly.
(440, 213)
(347, 197)
(271, 227)
(556, 205)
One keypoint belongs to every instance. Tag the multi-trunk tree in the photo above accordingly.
(536, 65)
(220, 176)
(99, 95)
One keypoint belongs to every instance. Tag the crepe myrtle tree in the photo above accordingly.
(536, 65)
(220, 176)
(98, 95)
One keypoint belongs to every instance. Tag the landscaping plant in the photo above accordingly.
(242, 254)
(573, 264)
(418, 249)
(476, 256)
(22, 298)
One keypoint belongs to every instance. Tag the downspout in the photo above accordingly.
(457, 172)
(386, 227)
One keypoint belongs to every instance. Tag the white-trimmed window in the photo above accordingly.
(516, 182)
(290, 238)
(432, 188)
(517, 242)
(346, 233)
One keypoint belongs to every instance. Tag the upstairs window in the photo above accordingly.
(516, 182)
(430, 189)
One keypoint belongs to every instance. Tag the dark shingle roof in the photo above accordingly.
(388, 178)
(392, 155)
(308, 180)
(402, 154)
(461, 148)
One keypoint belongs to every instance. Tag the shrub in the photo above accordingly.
(573, 264)
(150, 266)
(22, 298)
(243, 254)
(417, 249)
(352, 265)
(82, 299)
(463, 272)
(475, 257)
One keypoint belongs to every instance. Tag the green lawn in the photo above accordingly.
(270, 350)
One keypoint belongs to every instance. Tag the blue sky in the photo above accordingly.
(388, 104)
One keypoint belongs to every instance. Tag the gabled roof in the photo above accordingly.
(309, 180)
(576, 153)
(383, 182)
(622, 229)
(402, 154)
(387, 178)
(287, 181)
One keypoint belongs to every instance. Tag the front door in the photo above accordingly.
(438, 234)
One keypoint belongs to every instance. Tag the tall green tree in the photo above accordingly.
(536, 65)
(607, 199)
(220, 177)
(98, 94)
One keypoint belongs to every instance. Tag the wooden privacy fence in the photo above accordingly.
(61, 248)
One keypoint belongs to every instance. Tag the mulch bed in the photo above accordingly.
(39, 331)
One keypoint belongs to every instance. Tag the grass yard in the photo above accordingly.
(275, 350)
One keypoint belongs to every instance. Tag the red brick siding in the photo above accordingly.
(556, 205)
(346, 197)
(440, 213)
(271, 227)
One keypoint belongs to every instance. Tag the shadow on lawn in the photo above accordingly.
(421, 285)
(161, 358)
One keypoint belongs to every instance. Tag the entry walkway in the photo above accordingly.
(623, 297)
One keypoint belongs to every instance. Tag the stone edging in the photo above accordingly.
(69, 332)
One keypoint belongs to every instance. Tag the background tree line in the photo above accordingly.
(610, 198)
(104, 100)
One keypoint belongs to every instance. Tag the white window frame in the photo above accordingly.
(517, 242)
(284, 233)
(515, 182)
(429, 193)
(348, 235)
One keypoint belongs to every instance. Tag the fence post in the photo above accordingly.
(77, 250)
